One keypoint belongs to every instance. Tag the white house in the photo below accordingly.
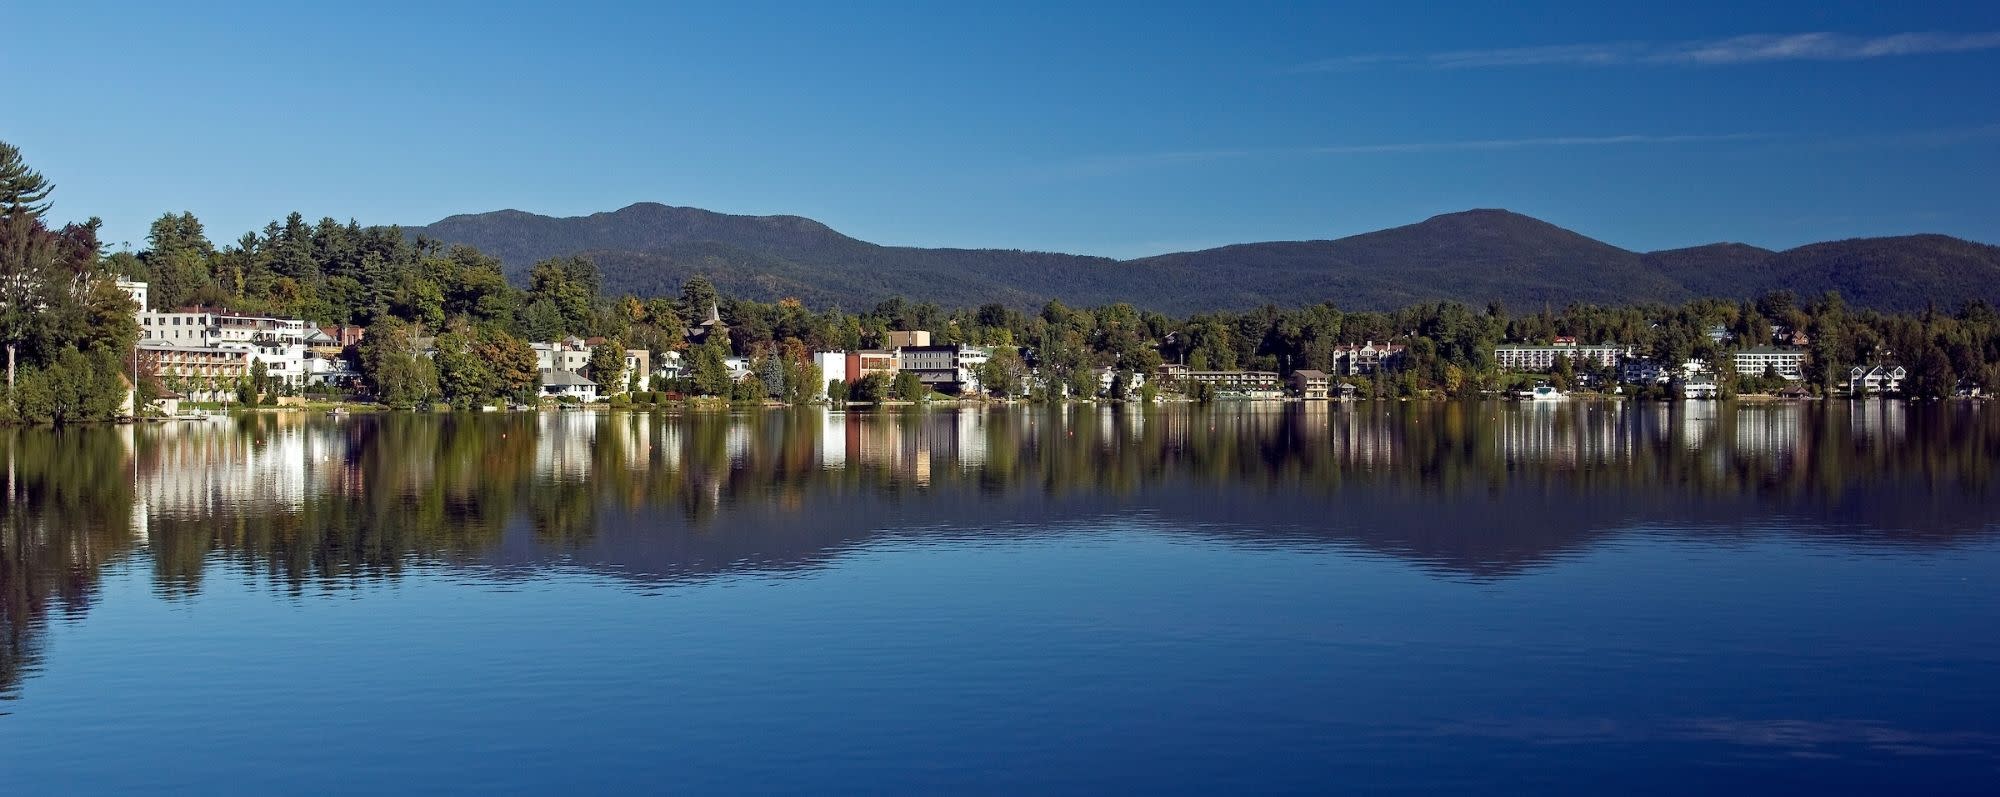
(559, 383)
(1868, 380)
(671, 366)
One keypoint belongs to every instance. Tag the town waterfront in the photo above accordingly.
(1415, 597)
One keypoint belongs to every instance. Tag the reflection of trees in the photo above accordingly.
(309, 502)
(65, 511)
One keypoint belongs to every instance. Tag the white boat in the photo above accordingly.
(1542, 391)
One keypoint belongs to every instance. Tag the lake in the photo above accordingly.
(1261, 598)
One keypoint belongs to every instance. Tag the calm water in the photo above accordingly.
(1420, 598)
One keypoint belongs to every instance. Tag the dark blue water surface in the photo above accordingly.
(1439, 598)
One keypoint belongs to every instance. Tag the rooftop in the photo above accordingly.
(558, 378)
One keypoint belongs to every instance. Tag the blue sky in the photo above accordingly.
(1108, 129)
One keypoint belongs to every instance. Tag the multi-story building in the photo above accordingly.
(282, 345)
(1646, 371)
(1311, 384)
(639, 364)
(1789, 363)
(672, 366)
(139, 291)
(832, 368)
(1253, 384)
(950, 368)
(1523, 357)
(1868, 380)
(898, 340)
(187, 327)
(202, 373)
(344, 335)
(572, 355)
(568, 354)
(1351, 360)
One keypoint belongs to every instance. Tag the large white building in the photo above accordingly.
(832, 366)
(1789, 363)
(282, 345)
(572, 356)
(1522, 357)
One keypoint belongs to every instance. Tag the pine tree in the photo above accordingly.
(22, 190)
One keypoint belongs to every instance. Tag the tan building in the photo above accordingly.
(201, 373)
(861, 364)
(912, 338)
(1311, 385)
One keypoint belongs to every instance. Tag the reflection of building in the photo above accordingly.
(833, 440)
(565, 440)
(199, 469)
(1771, 431)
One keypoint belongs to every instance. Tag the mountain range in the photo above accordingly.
(1475, 256)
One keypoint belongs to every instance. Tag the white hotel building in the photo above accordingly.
(215, 338)
(1522, 357)
(1789, 363)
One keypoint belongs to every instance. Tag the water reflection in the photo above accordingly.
(1464, 490)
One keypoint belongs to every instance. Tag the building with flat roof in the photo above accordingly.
(1245, 384)
(1310, 384)
(949, 368)
(201, 373)
(832, 368)
(1531, 358)
(1787, 362)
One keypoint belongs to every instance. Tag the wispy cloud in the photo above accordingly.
(1748, 49)
(1529, 143)
(1119, 164)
